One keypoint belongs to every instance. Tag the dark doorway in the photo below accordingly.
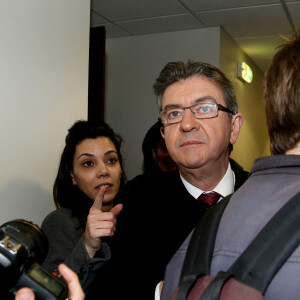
(96, 88)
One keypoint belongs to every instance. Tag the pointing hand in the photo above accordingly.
(99, 224)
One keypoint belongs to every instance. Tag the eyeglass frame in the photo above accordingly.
(218, 106)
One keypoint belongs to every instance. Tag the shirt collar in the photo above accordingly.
(225, 187)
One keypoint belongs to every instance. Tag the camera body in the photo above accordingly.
(23, 246)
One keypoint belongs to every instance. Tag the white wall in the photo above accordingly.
(132, 65)
(43, 90)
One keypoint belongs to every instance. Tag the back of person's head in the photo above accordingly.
(64, 192)
(177, 71)
(281, 97)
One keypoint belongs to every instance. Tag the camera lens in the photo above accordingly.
(21, 243)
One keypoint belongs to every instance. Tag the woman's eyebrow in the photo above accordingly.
(92, 155)
(85, 154)
(111, 151)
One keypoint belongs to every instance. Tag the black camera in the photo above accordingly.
(23, 246)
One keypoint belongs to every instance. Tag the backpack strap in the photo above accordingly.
(274, 244)
(197, 263)
(266, 254)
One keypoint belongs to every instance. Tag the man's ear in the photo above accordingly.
(236, 125)
(73, 179)
(162, 131)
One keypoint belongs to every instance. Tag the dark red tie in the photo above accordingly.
(209, 198)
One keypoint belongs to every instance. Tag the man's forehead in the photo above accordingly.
(191, 91)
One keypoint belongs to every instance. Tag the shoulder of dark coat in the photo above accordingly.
(60, 217)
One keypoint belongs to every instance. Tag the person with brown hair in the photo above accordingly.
(272, 182)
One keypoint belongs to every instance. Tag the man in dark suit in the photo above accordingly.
(201, 122)
(200, 118)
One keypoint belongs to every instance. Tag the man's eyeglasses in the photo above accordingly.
(202, 110)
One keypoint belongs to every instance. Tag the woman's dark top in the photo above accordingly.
(65, 237)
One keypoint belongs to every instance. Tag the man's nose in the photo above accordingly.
(189, 122)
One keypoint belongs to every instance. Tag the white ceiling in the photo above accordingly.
(254, 24)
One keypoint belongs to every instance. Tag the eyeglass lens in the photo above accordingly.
(199, 110)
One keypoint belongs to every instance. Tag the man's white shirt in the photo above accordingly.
(225, 187)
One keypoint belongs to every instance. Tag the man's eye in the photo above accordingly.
(87, 164)
(174, 114)
(204, 109)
